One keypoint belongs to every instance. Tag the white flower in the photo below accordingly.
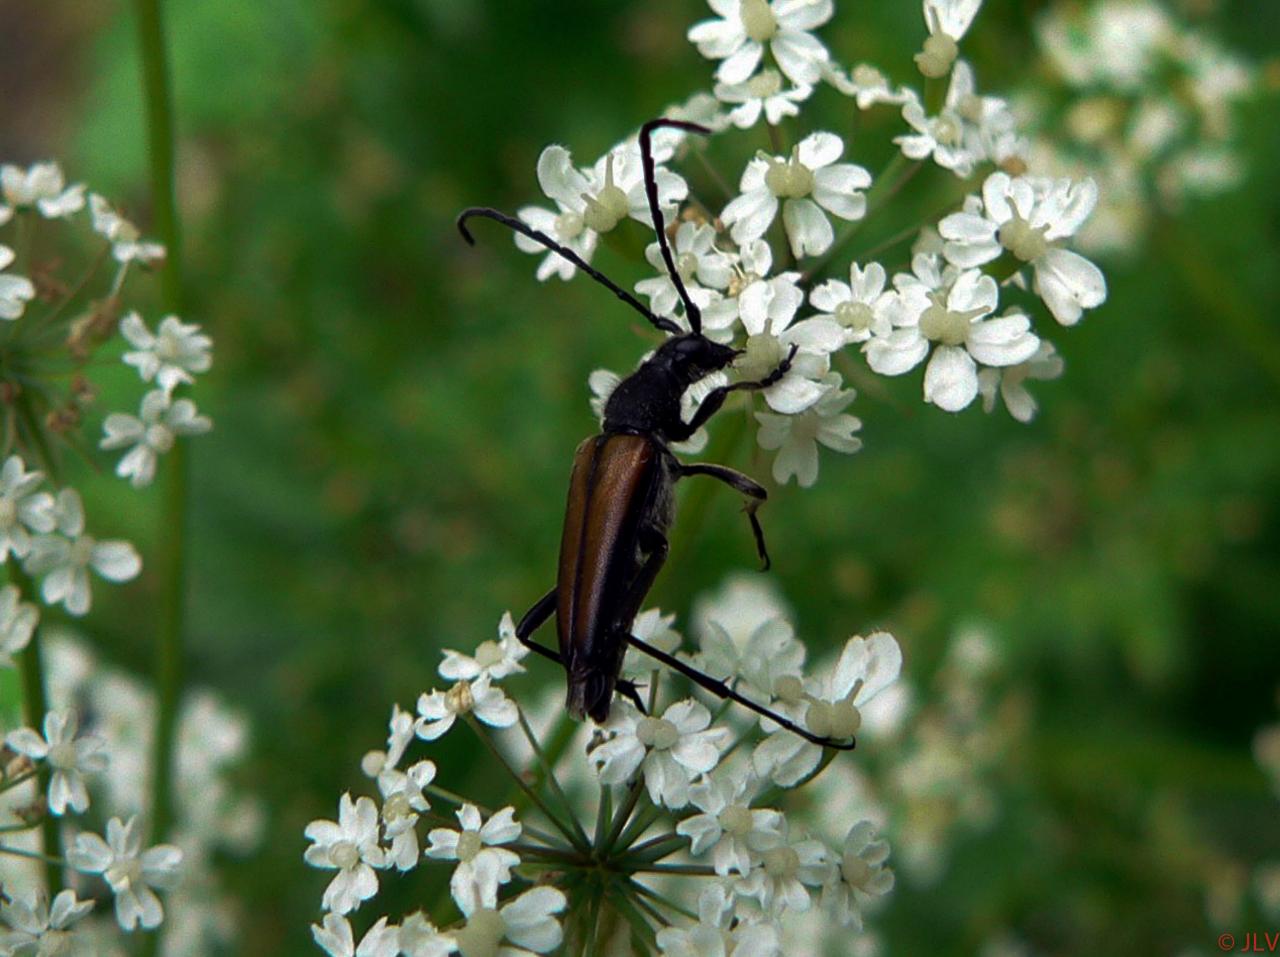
(149, 436)
(18, 621)
(763, 93)
(172, 355)
(592, 202)
(861, 874)
(729, 828)
(866, 84)
(335, 936)
(796, 437)
(1010, 382)
(22, 509)
(948, 21)
(967, 130)
(654, 628)
(752, 296)
(831, 707)
(744, 27)
(701, 266)
(946, 312)
(401, 730)
(131, 872)
(526, 922)
(439, 709)
(1029, 219)
(771, 336)
(127, 244)
(402, 802)
(65, 559)
(483, 866)
(70, 758)
(710, 940)
(37, 930)
(742, 626)
(497, 659)
(789, 865)
(808, 182)
(349, 846)
(858, 306)
(670, 751)
(42, 186)
(15, 291)
(420, 938)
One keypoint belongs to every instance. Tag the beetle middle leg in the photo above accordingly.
(536, 617)
(747, 486)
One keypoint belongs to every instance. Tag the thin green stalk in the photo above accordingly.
(653, 895)
(550, 776)
(31, 855)
(623, 815)
(639, 824)
(10, 783)
(604, 814)
(34, 705)
(622, 901)
(567, 830)
(171, 552)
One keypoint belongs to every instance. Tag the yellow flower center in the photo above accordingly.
(1023, 240)
(758, 20)
(940, 51)
(789, 179)
(482, 935)
(659, 734)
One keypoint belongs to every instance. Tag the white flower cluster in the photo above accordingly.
(168, 358)
(1147, 102)
(47, 536)
(688, 808)
(767, 267)
(109, 759)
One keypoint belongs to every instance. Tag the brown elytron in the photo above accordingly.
(611, 492)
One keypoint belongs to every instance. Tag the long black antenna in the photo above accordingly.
(524, 229)
(651, 189)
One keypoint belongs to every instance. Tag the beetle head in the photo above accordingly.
(693, 356)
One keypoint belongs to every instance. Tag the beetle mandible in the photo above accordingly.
(621, 499)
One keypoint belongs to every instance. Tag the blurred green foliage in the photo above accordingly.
(396, 415)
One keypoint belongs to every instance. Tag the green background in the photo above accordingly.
(396, 415)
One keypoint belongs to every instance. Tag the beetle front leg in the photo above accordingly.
(715, 398)
(755, 492)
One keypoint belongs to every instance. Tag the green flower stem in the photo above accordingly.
(567, 830)
(639, 824)
(623, 903)
(652, 911)
(653, 895)
(623, 815)
(34, 705)
(696, 870)
(550, 776)
(171, 551)
(604, 814)
(32, 855)
(10, 783)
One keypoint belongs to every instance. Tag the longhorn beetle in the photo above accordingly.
(621, 492)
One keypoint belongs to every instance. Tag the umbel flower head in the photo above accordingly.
(685, 820)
